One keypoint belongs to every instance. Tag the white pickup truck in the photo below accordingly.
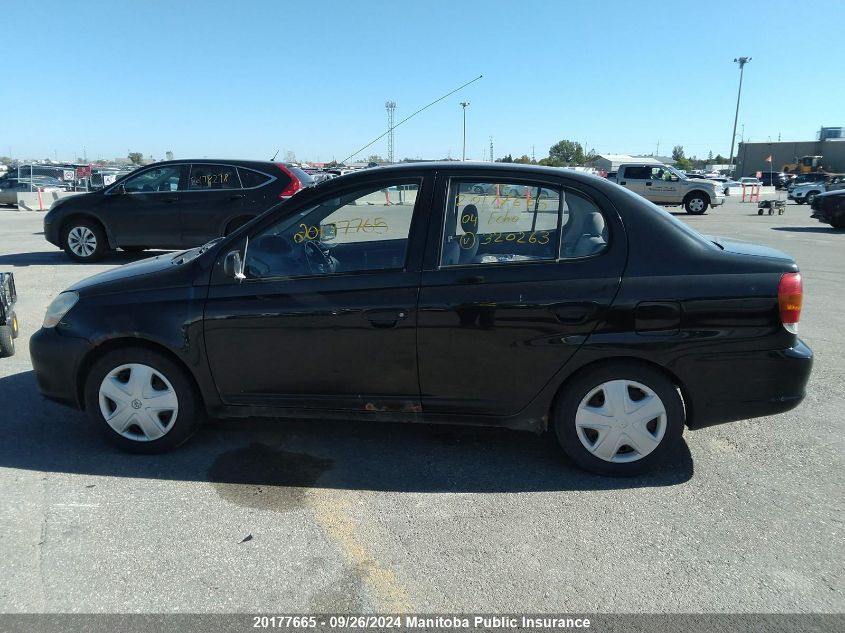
(667, 186)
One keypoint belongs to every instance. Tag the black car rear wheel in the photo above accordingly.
(13, 323)
(619, 420)
(142, 401)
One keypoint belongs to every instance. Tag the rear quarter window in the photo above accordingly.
(251, 179)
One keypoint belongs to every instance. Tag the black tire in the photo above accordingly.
(7, 341)
(564, 418)
(179, 428)
(133, 249)
(696, 203)
(13, 323)
(99, 246)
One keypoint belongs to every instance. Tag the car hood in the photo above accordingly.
(141, 268)
(747, 248)
(831, 194)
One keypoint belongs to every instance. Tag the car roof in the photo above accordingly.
(476, 166)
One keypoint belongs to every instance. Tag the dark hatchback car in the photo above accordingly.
(402, 294)
(171, 204)
(829, 208)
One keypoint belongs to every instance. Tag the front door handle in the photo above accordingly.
(386, 318)
(623, 183)
(170, 200)
(648, 184)
(575, 313)
(237, 196)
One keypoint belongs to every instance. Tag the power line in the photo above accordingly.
(410, 117)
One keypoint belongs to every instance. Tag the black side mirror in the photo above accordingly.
(232, 266)
(120, 189)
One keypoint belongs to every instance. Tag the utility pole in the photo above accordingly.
(491, 149)
(657, 151)
(391, 107)
(742, 61)
(464, 105)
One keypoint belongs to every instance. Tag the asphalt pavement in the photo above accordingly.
(306, 516)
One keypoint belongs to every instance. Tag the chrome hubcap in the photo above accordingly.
(696, 204)
(138, 402)
(621, 421)
(82, 241)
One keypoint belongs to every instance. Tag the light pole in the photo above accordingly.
(464, 105)
(742, 61)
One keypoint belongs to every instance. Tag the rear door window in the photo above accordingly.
(504, 223)
(207, 177)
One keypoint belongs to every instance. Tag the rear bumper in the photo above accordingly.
(756, 384)
(55, 359)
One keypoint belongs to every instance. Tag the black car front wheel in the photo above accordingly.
(7, 341)
(142, 401)
(619, 420)
(84, 240)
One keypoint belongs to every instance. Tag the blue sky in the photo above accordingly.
(243, 79)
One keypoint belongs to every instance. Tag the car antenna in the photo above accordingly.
(274, 155)
(409, 117)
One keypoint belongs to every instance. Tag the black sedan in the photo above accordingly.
(171, 204)
(829, 208)
(412, 294)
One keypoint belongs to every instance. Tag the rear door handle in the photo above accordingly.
(623, 183)
(169, 200)
(236, 196)
(648, 184)
(386, 318)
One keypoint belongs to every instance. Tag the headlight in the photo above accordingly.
(60, 306)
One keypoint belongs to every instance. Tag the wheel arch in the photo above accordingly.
(233, 224)
(91, 358)
(625, 360)
(698, 191)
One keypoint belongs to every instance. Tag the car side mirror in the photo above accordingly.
(328, 232)
(120, 189)
(674, 179)
(232, 265)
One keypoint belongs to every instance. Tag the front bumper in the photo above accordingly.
(759, 384)
(51, 232)
(56, 359)
(715, 202)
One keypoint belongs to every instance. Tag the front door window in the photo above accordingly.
(359, 231)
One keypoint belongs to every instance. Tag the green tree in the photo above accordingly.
(505, 159)
(567, 152)
(678, 153)
(550, 162)
(524, 160)
(710, 157)
(135, 157)
(375, 158)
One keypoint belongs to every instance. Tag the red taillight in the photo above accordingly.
(293, 186)
(790, 297)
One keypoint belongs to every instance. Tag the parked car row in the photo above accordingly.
(807, 191)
